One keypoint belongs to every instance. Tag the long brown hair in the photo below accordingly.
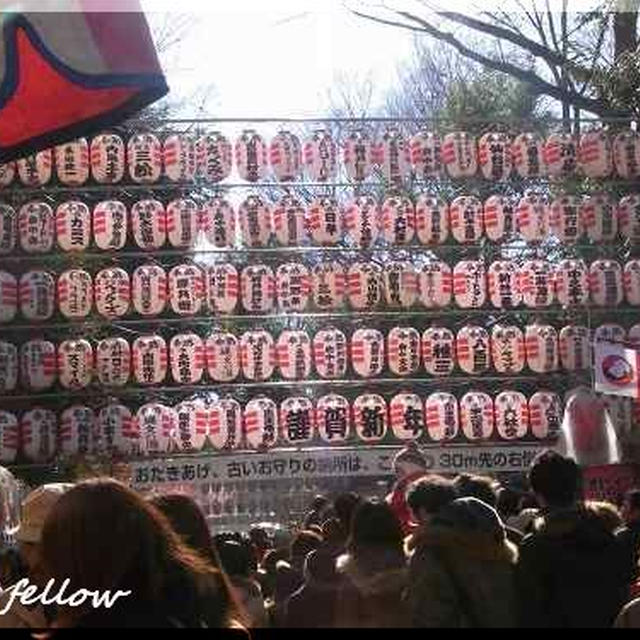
(101, 535)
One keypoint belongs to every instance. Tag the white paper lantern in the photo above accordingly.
(609, 332)
(117, 432)
(499, 215)
(319, 155)
(400, 284)
(77, 427)
(112, 292)
(9, 437)
(432, 219)
(476, 415)
(631, 282)
(186, 289)
(186, 352)
(110, 225)
(260, 423)
(156, 424)
(293, 355)
(528, 155)
(149, 224)
(35, 169)
(257, 283)
(532, 216)
(469, 284)
(438, 351)
(289, 222)
(144, 158)
(364, 281)
(472, 349)
(251, 156)
(503, 280)
(223, 356)
(605, 283)
(37, 295)
(225, 424)
(572, 283)
(8, 297)
(367, 352)
(38, 434)
(38, 364)
(75, 293)
(575, 348)
(7, 173)
(629, 217)
(333, 419)
(634, 335)
(370, 417)
(179, 157)
(75, 363)
(217, 220)
(545, 414)
(113, 362)
(149, 289)
(406, 413)
(8, 366)
(435, 284)
(393, 156)
(507, 349)
(328, 285)
(330, 353)
(213, 157)
(324, 221)
(362, 221)
(425, 151)
(257, 355)
(149, 359)
(560, 155)
(8, 228)
(255, 221)
(222, 287)
(595, 158)
(36, 227)
(494, 156)
(541, 343)
(72, 162)
(565, 221)
(537, 283)
(599, 217)
(192, 425)
(357, 155)
(107, 154)
(465, 213)
(442, 416)
(398, 220)
(626, 154)
(73, 226)
(403, 351)
(297, 420)
(511, 414)
(459, 154)
(182, 223)
(293, 284)
(285, 156)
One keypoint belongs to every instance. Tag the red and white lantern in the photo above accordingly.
(222, 287)
(35, 169)
(371, 417)
(609, 332)
(476, 415)
(565, 221)
(537, 283)
(110, 225)
(459, 154)
(117, 431)
(605, 283)
(541, 343)
(634, 335)
(333, 419)
(186, 352)
(560, 155)
(39, 435)
(285, 156)
(441, 416)
(532, 216)
(297, 420)
(358, 155)
(528, 155)
(217, 220)
(7, 173)
(289, 222)
(36, 227)
(324, 221)
(113, 362)
(186, 289)
(75, 363)
(365, 285)
(438, 351)
(225, 424)
(38, 365)
(507, 349)
(469, 284)
(435, 284)
(511, 414)
(75, 293)
(251, 156)
(398, 220)
(113, 292)
(465, 213)
(293, 284)
(403, 349)
(432, 219)
(572, 283)
(406, 412)
(400, 284)
(72, 162)
(223, 356)
(257, 355)
(362, 221)
(149, 224)
(319, 155)
(494, 156)
(330, 353)
(472, 349)
(328, 285)
(9, 437)
(545, 414)
(258, 287)
(255, 221)
(425, 151)
(629, 217)
(600, 217)
(499, 215)
(595, 158)
(293, 354)
(214, 157)
(503, 281)
(149, 289)
(8, 297)
(179, 157)
(260, 423)
(73, 226)
(192, 425)
(37, 295)
(156, 424)
(107, 158)
(367, 352)
(77, 427)
(8, 229)
(626, 154)
(149, 359)
(393, 156)
(144, 158)
(631, 281)
(8, 366)
(182, 223)
(575, 348)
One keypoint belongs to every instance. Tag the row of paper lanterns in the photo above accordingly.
(219, 289)
(157, 428)
(256, 355)
(361, 222)
(180, 157)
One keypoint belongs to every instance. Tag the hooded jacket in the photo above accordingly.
(573, 571)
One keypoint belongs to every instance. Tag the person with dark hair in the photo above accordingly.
(260, 542)
(334, 537)
(461, 570)
(507, 503)
(573, 570)
(428, 495)
(344, 506)
(101, 535)
(267, 577)
(374, 571)
(631, 533)
(316, 514)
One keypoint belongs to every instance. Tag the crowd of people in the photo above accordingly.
(438, 552)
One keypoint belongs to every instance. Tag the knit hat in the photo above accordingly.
(471, 515)
(410, 455)
(36, 508)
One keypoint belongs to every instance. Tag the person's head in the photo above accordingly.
(303, 544)
(286, 582)
(428, 495)
(607, 513)
(188, 522)
(631, 506)
(554, 479)
(374, 526)
(408, 461)
(476, 486)
(320, 568)
(35, 509)
(344, 506)
(236, 559)
(508, 503)
(333, 534)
